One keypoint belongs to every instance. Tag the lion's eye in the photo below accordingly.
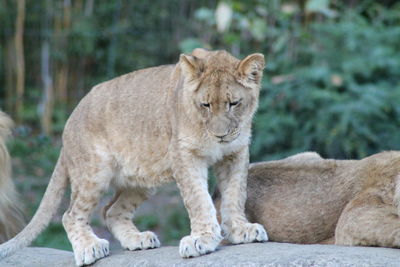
(206, 105)
(233, 103)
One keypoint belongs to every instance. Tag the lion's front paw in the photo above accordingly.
(247, 233)
(90, 251)
(193, 246)
(144, 240)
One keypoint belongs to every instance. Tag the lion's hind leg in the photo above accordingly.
(368, 221)
(118, 216)
(86, 191)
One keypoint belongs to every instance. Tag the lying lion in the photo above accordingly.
(11, 219)
(307, 199)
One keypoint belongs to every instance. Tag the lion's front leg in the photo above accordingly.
(231, 173)
(205, 233)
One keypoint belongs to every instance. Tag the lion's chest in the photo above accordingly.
(146, 164)
(136, 172)
(215, 152)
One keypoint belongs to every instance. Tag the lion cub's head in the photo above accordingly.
(221, 91)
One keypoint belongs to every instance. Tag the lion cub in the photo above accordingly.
(151, 127)
(307, 199)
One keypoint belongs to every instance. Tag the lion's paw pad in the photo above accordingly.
(193, 246)
(144, 240)
(88, 252)
(247, 233)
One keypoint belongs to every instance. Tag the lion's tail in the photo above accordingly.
(11, 216)
(47, 208)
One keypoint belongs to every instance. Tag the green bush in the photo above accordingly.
(342, 96)
(53, 236)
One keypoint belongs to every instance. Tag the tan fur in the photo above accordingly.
(307, 199)
(11, 217)
(150, 127)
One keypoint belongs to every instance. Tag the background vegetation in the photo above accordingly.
(332, 81)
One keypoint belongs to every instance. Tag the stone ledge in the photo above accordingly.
(266, 254)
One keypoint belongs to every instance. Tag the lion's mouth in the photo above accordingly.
(228, 139)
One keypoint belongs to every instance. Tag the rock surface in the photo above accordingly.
(266, 254)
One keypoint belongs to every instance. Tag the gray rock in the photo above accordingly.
(266, 254)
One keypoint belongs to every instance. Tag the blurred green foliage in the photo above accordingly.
(331, 85)
(341, 96)
(146, 222)
(177, 226)
(53, 237)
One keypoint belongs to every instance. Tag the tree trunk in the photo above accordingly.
(89, 8)
(61, 30)
(80, 68)
(9, 67)
(113, 44)
(47, 101)
(19, 59)
(46, 105)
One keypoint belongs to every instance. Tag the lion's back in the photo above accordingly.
(128, 103)
(287, 197)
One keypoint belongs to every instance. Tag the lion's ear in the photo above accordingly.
(200, 52)
(191, 66)
(250, 70)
